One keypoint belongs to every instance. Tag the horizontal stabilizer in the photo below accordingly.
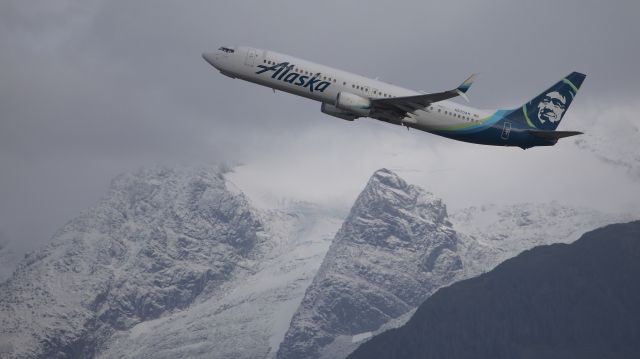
(553, 135)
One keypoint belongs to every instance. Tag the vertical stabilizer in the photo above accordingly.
(546, 110)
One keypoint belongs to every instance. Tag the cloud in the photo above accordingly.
(94, 88)
(613, 135)
(336, 167)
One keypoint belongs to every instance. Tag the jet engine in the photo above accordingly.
(331, 110)
(353, 103)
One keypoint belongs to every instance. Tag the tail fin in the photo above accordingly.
(546, 110)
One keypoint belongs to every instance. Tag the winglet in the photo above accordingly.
(464, 87)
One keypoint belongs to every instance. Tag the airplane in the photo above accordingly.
(349, 96)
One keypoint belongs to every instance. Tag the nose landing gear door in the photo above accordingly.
(250, 60)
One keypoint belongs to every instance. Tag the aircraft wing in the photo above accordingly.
(412, 103)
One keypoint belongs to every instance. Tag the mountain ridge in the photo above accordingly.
(554, 301)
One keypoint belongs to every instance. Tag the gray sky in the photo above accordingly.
(89, 89)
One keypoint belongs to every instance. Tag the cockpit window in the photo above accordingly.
(227, 50)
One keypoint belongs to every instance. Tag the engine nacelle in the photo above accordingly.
(331, 110)
(353, 103)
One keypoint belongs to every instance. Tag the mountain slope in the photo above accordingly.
(490, 234)
(249, 317)
(393, 250)
(577, 300)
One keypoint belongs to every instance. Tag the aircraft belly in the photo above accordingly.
(430, 122)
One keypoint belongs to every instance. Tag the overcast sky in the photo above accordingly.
(90, 89)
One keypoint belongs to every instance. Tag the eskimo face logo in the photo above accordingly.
(551, 107)
(284, 72)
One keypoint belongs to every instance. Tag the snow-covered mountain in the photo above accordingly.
(178, 263)
(393, 250)
(398, 246)
(164, 246)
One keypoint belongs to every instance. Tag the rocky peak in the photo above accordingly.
(393, 250)
(388, 207)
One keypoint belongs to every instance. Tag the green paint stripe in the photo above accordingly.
(526, 116)
(570, 84)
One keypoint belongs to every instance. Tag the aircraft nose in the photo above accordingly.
(210, 58)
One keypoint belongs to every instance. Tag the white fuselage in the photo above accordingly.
(246, 63)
